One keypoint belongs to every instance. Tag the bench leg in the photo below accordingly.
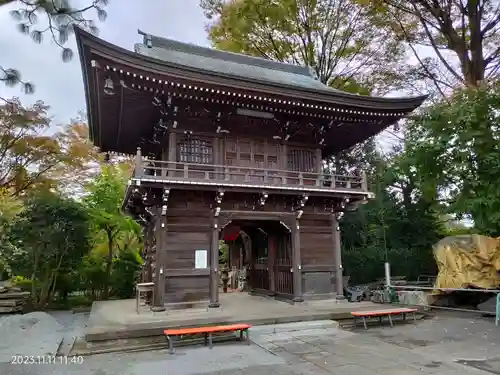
(404, 316)
(206, 338)
(248, 336)
(355, 322)
(364, 322)
(414, 317)
(390, 320)
(210, 340)
(170, 345)
(380, 320)
(241, 334)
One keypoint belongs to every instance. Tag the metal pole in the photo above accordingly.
(497, 316)
(387, 268)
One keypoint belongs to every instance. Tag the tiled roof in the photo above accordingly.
(234, 64)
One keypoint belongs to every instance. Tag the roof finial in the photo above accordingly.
(313, 72)
(147, 39)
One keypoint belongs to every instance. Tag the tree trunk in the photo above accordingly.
(109, 261)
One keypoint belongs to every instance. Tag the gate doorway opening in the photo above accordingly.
(259, 257)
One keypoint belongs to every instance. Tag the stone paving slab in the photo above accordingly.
(303, 350)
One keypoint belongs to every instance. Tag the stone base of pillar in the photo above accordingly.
(297, 299)
(158, 308)
(214, 304)
(340, 297)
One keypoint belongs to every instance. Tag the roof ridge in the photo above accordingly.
(191, 48)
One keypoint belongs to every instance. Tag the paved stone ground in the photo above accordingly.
(442, 345)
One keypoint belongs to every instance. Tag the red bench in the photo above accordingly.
(207, 332)
(381, 313)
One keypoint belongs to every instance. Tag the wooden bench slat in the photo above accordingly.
(209, 329)
(383, 312)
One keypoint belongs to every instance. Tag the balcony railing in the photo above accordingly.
(244, 176)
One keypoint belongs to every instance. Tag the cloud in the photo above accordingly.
(60, 84)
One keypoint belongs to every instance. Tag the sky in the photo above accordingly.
(60, 84)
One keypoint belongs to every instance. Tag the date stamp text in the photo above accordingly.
(46, 360)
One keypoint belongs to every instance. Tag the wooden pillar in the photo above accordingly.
(172, 153)
(160, 234)
(149, 237)
(144, 254)
(138, 169)
(271, 259)
(319, 162)
(214, 265)
(296, 262)
(337, 253)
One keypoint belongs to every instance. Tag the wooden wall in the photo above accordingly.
(317, 256)
(188, 230)
(244, 151)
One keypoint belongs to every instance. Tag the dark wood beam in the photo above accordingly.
(337, 255)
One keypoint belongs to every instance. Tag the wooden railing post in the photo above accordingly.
(138, 171)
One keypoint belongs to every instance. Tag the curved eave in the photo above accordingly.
(89, 43)
(92, 112)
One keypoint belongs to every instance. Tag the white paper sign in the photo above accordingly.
(200, 259)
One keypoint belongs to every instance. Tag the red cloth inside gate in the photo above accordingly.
(231, 233)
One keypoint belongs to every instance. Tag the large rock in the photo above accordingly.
(33, 334)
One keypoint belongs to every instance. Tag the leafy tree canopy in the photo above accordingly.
(453, 42)
(30, 157)
(52, 233)
(104, 201)
(454, 148)
(342, 42)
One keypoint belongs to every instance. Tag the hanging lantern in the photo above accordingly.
(231, 233)
(109, 87)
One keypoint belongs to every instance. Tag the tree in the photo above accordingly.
(126, 270)
(53, 234)
(29, 158)
(59, 18)
(398, 226)
(342, 42)
(455, 150)
(106, 194)
(10, 207)
(462, 37)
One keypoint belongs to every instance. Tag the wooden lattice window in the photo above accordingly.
(301, 160)
(193, 150)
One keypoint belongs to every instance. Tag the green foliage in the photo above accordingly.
(399, 226)
(223, 252)
(10, 207)
(455, 150)
(93, 273)
(53, 233)
(104, 202)
(340, 40)
(22, 282)
(126, 270)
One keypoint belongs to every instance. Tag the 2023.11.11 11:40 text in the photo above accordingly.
(46, 360)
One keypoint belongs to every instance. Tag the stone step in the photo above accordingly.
(293, 327)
